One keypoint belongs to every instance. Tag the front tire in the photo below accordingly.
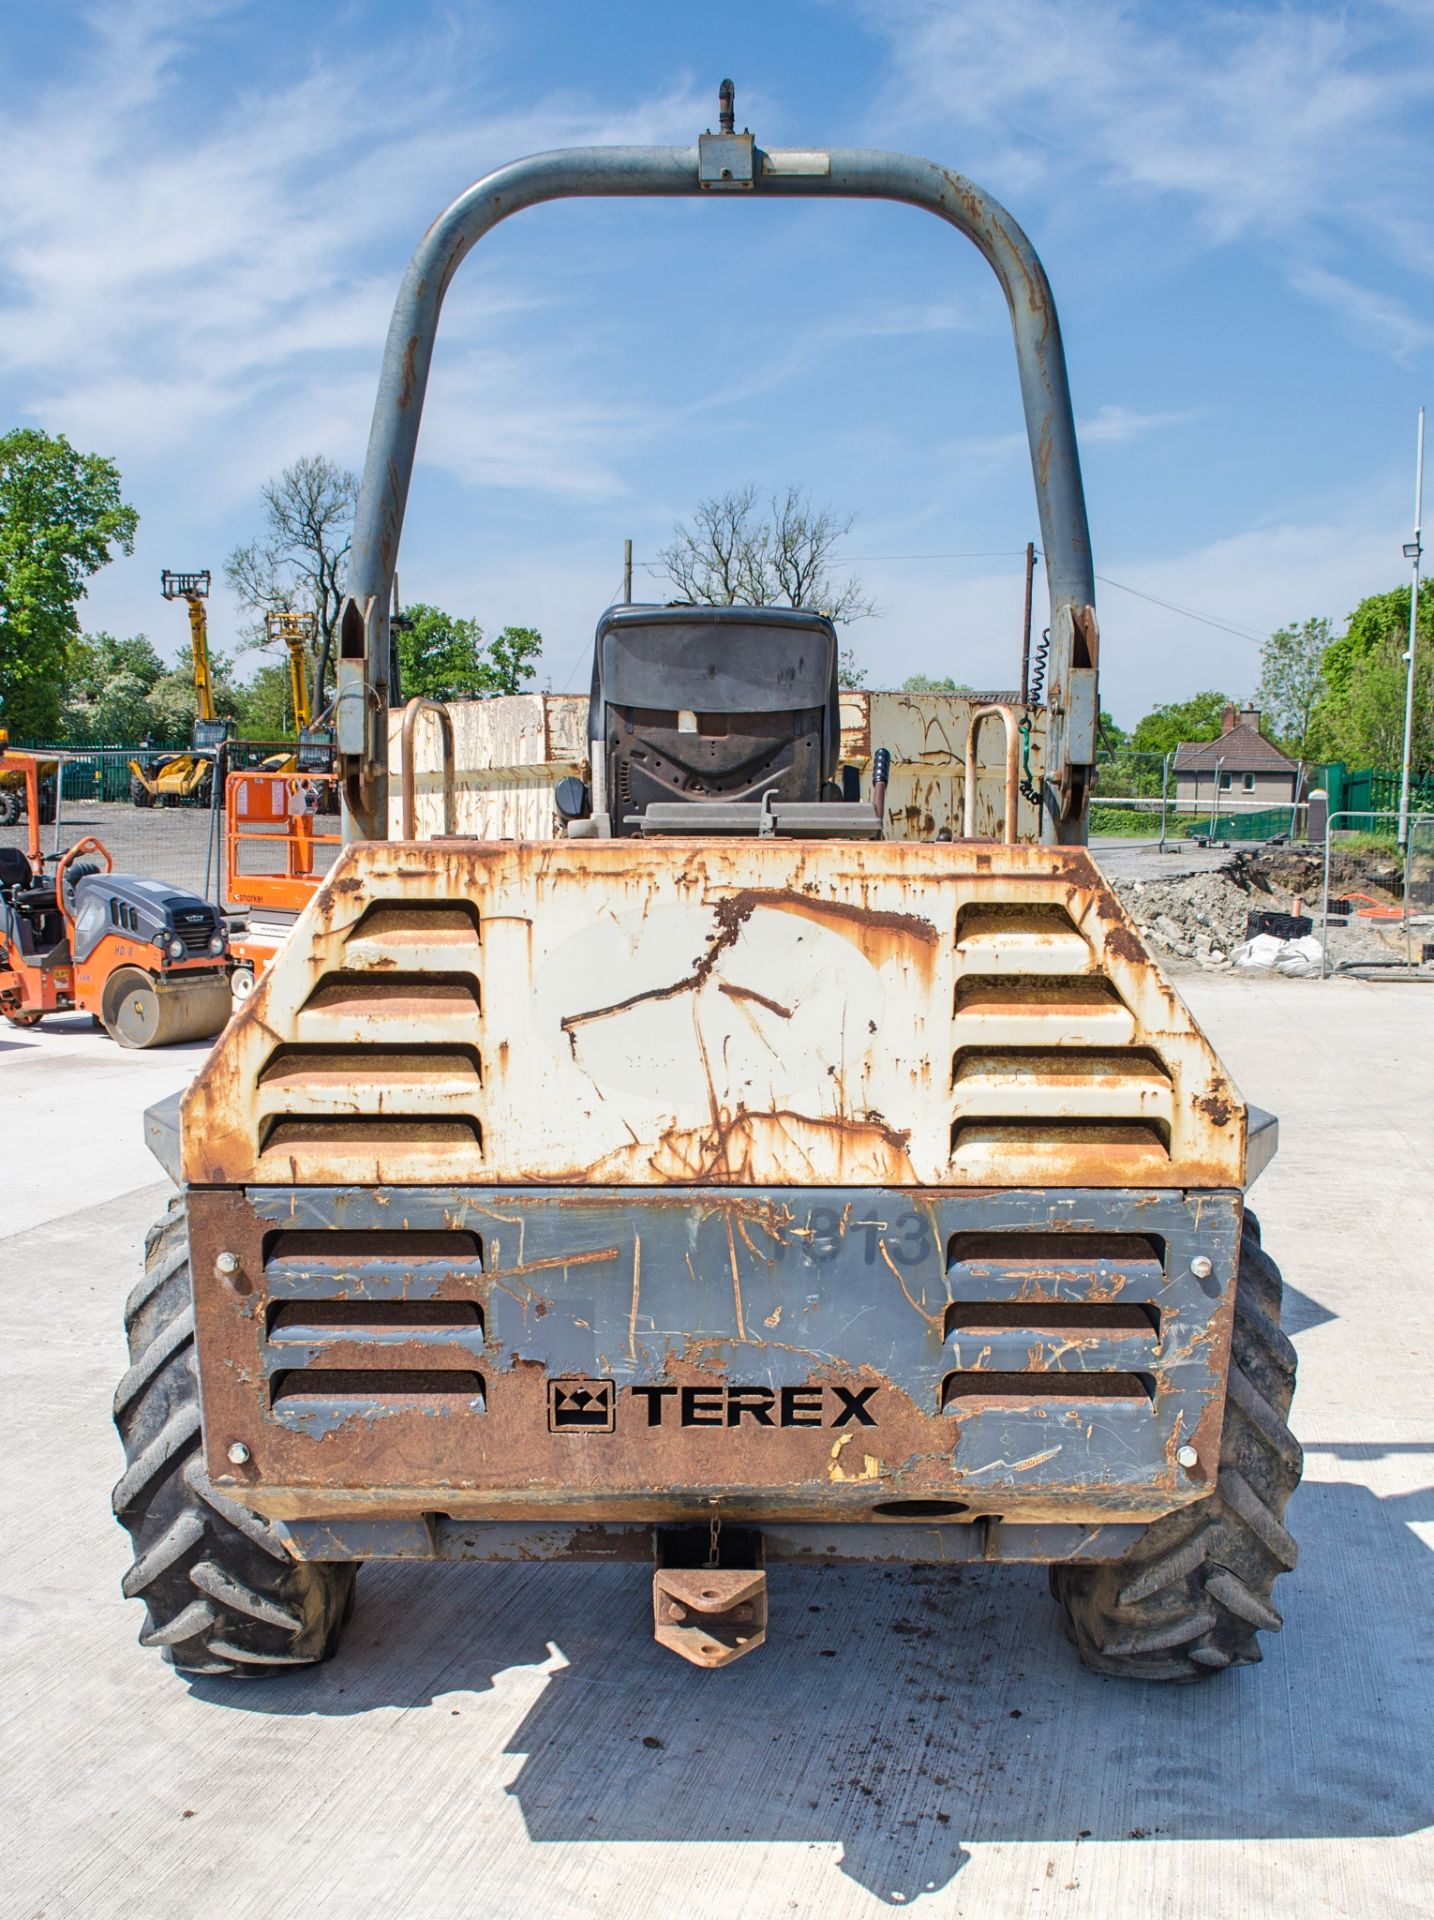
(222, 1594)
(1192, 1596)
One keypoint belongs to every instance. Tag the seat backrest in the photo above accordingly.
(15, 869)
(712, 704)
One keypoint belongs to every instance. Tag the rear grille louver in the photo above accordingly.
(1063, 1317)
(1047, 1079)
(384, 1071)
(373, 1323)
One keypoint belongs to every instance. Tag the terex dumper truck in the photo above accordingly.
(718, 1182)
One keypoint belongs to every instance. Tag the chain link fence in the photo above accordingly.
(179, 836)
(181, 843)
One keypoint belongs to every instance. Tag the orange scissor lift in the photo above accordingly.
(274, 858)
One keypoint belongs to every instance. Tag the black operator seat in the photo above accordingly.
(713, 704)
(35, 923)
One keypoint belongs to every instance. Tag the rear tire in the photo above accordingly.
(1192, 1596)
(9, 807)
(139, 793)
(222, 1594)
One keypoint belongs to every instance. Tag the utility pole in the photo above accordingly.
(1026, 625)
(1412, 551)
(627, 573)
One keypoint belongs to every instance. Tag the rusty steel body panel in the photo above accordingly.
(588, 1355)
(753, 1013)
(569, 1191)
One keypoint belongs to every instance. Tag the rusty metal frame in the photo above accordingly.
(717, 163)
(408, 797)
(1013, 770)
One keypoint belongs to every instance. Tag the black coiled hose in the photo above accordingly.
(1038, 670)
(1029, 790)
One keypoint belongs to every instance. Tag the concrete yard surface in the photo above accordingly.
(510, 1741)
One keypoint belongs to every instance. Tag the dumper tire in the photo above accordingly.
(1192, 1596)
(223, 1594)
(9, 807)
(139, 793)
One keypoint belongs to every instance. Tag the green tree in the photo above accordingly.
(1292, 682)
(512, 659)
(1361, 718)
(106, 689)
(1201, 717)
(850, 672)
(442, 656)
(62, 517)
(265, 709)
(171, 703)
(1378, 618)
(1365, 724)
(923, 683)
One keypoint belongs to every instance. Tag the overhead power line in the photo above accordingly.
(1256, 636)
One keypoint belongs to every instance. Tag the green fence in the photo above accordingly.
(1373, 788)
(1261, 824)
(102, 772)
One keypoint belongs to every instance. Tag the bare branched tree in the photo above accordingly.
(298, 560)
(734, 554)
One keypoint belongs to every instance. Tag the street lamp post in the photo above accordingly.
(1412, 552)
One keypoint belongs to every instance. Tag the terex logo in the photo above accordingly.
(763, 1406)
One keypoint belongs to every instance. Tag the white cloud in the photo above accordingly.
(1308, 125)
(1373, 318)
(1115, 424)
(173, 282)
(941, 622)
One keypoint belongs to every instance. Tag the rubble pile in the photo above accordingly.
(1199, 917)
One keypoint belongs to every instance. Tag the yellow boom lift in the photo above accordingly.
(170, 777)
(315, 751)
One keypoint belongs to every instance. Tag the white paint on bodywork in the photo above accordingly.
(635, 1000)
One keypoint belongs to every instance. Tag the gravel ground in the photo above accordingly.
(1197, 916)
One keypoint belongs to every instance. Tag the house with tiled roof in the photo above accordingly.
(1245, 768)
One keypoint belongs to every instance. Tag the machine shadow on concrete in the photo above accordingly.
(910, 1714)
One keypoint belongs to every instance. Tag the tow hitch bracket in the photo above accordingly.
(711, 1615)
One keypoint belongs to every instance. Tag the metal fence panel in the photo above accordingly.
(1376, 911)
(181, 844)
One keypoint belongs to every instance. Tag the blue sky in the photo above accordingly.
(209, 204)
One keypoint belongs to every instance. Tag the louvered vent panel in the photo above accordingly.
(1066, 1318)
(1035, 939)
(1049, 1081)
(376, 1322)
(384, 1076)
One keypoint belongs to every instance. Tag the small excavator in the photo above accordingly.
(167, 778)
(148, 961)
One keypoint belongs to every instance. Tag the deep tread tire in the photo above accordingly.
(223, 1596)
(1192, 1596)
